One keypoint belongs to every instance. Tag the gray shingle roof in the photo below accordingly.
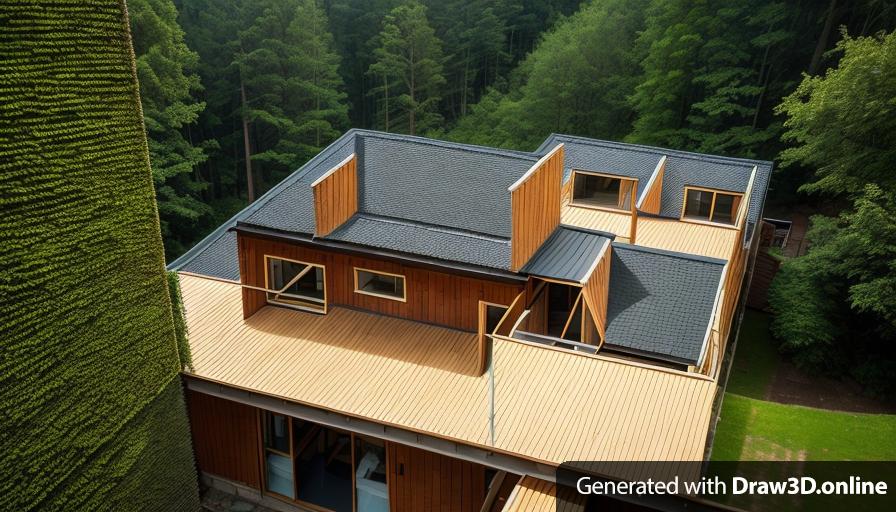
(219, 259)
(660, 302)
(567, 254)
(682, 168)
(447, 184)
(425, 240)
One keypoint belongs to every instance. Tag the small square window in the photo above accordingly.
(380, 284)
(711, 205)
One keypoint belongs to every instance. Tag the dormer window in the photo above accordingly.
(602, 191)
(711, 205)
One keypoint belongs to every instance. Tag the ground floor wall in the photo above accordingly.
(320, 468)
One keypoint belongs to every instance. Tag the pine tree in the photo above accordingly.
(409, 63)
(294, 101)
(166, 69)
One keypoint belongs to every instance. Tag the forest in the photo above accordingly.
(239, 93)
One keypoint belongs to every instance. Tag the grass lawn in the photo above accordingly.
(751, 428)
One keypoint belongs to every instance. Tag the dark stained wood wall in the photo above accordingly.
(225, 438)
(422, 481)
(433, 297)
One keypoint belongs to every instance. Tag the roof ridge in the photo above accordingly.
(473, 148)
(665, 252)
(655, 149)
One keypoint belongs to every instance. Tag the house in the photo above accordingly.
(406, 324)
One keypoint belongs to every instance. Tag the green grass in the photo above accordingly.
(752, 429)
(756, 359)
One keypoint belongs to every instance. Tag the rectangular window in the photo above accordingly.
(380, 284)
(711, 205)
(602, 191)
(371, 488)
(296, 283)
(323, 466)
(277, 455)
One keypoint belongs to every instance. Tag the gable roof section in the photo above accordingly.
(447, 184)
(568, 254)
(682, 168)
(660, 302)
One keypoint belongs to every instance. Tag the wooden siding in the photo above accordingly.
(653, 192)
(686, 237)
(335, 196)
(596, 288)
(551, 405)
(225, 438)
(434, 297)
(423, 481)
(535, 207)
(617, 223)
(535, 495)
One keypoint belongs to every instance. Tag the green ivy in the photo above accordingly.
(180, 321)
(92, 416)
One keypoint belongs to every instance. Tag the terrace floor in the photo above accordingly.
(658, 233)
(551, 405)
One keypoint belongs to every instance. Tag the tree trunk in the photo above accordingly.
(822, 43)
(250, 180)
(413, 110)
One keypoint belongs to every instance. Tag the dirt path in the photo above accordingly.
(791, 386)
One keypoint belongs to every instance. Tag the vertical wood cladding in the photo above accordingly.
(225, 438)
(433, 297)
(651, 203)
(535, 207)
(596, 288)
(422, 481)
(336, 196)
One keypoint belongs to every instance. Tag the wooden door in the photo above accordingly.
(422, 481)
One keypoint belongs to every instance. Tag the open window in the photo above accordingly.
(711, 205)
(296, 284)
(380, 284)
(603, 191)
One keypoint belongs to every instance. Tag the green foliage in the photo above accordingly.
(168, 83)
(93, 416)
(843, 124)
(294, 92)
(576, 81)
(180, 321)
(836, 306)
(409, 63)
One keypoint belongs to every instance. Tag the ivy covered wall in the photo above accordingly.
(92, 414)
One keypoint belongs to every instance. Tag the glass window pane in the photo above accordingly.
(279, 474)
(370, 475)
(276, 432)
(600, 191)
(324, 467)
(310, 283)
(698, 204)
(493, 315)
(381, 284)
(724, 210)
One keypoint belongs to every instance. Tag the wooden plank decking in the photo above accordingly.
(534, 495)
(618, 223)
(551, 405)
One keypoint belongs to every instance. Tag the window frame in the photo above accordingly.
(622, 179)
(404, 284)
(286, 303)
(738, 200)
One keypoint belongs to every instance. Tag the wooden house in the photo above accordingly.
(406, 324)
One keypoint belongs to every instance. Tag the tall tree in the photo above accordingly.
(166, 69)
(289, 74)
(836, 306)
(409, 62)
(576, 81)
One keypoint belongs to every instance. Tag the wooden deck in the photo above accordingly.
(551, 406)
(659, 233)
(534, 495)
(618, 223)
